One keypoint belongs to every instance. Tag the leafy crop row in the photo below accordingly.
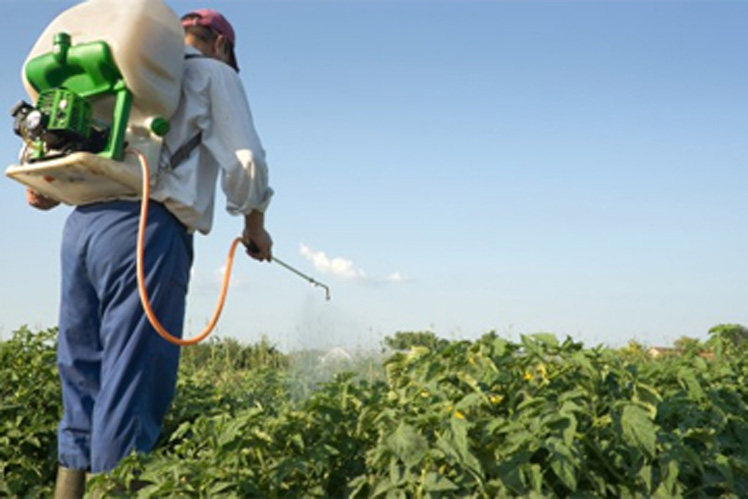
(484, 418)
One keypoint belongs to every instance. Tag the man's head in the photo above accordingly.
(210, 33)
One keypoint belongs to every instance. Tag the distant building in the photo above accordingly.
(655, 352)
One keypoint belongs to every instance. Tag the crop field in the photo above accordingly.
(426, 417)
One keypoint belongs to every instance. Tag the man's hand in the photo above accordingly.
(259, 245)
(40, 201)
(257, 240)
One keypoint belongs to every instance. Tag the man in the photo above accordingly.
(118, 376)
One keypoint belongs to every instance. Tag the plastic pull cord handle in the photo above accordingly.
(141, 274)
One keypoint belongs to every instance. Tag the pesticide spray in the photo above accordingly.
(105, 78)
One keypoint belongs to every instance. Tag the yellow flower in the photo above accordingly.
(528, 376)
(459, 415)
(496, 399)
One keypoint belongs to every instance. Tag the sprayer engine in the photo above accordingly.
(60, 124)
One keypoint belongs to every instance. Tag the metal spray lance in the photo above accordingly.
(253, 249)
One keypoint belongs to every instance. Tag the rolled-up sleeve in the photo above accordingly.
(236, 147)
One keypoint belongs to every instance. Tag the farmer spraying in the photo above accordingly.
(118, 376)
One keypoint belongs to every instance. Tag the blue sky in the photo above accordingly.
(463, 166)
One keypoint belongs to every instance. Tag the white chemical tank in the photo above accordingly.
(146, 39)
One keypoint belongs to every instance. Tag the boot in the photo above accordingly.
(70, 484)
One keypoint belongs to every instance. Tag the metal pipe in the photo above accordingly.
(304, 276)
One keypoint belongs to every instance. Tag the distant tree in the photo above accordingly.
(634, 351)
(728, 338)
(404, 340)
(689, 345)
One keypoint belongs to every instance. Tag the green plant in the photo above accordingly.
(30, 410)
(538, 417)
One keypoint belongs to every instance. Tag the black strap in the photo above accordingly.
(184, 152)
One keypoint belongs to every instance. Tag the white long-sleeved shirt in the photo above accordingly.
(213, 101)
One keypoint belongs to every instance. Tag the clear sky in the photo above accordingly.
(574, 167)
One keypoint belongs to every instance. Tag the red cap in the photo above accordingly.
(214, 20)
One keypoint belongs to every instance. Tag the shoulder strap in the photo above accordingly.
(186, 149)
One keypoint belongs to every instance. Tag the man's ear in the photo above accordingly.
(221, 45)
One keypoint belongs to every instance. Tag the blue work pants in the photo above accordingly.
(118, 375)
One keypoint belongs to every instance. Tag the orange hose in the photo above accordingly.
(141, 276)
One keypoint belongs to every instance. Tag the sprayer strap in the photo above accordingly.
(184, 152)
(186, 149)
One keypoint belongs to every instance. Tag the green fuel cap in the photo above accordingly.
(160, 126)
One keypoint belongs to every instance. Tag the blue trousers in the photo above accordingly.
(118, 375)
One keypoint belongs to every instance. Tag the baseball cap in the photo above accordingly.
(214, 20)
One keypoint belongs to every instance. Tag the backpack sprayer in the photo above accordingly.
(101, 107)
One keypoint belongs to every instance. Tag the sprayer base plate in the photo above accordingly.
(81, 178)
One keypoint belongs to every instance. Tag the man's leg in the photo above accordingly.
(139, 368)
(78, 348)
